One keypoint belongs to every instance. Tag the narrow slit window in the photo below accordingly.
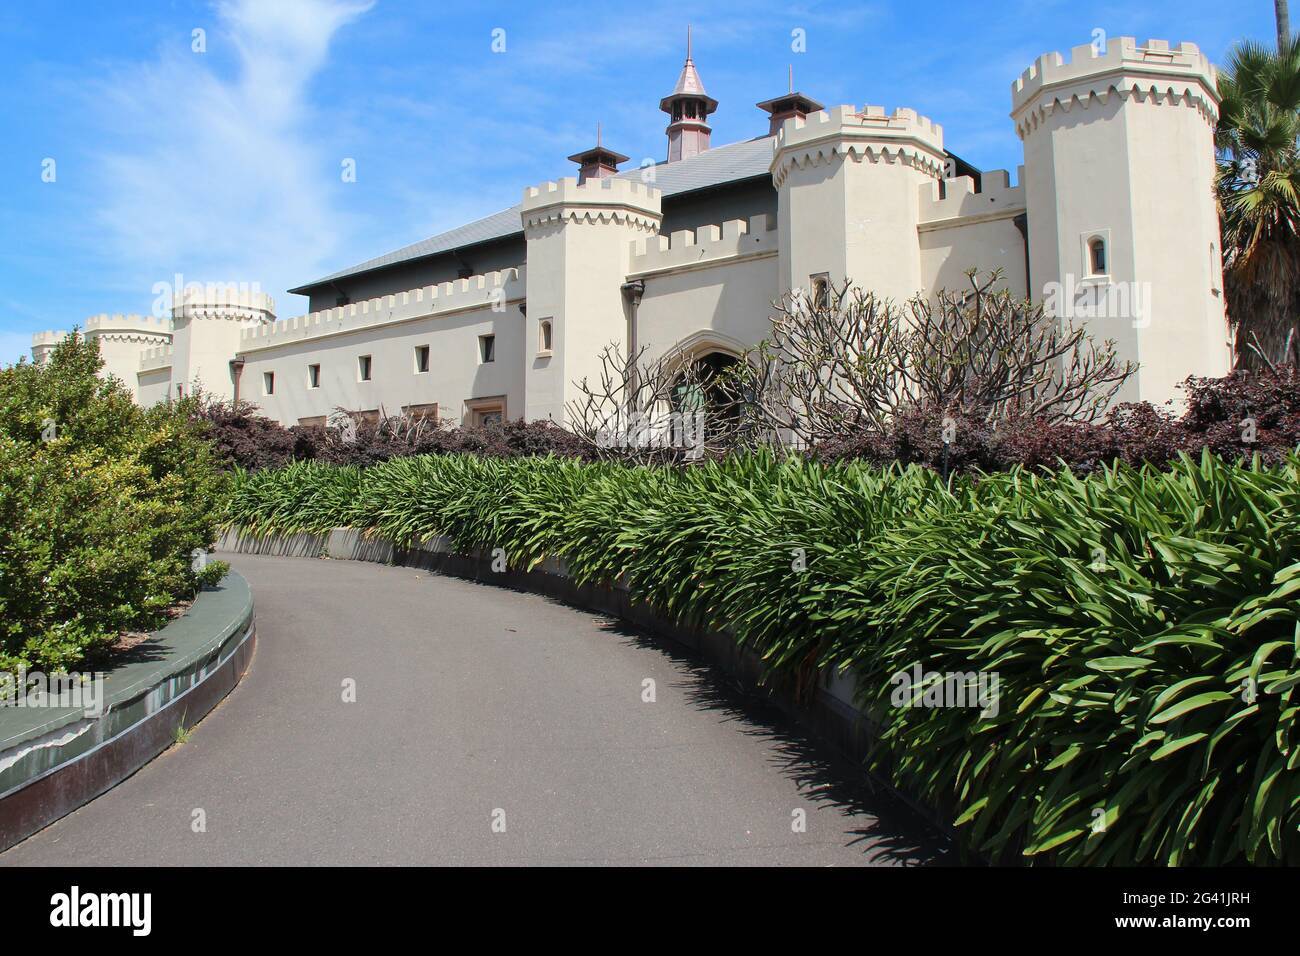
(313, 376)
(363, 368)
(421, 358)
(544, 336)
(1097, 256)
(821, 290)
(268, 383)
(487, 348)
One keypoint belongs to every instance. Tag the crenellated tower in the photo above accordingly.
(847, 184)
(1119, 186)
(206, 327)
(580, 242)
(121, 339)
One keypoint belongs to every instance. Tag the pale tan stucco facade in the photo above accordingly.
(1111, 221)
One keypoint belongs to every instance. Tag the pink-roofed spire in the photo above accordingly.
(689, 106)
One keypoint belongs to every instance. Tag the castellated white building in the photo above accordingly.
(1114, 207)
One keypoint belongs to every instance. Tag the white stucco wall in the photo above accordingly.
(153, 385)
(966, 229)
(724, 305)
(455, 372)
(449, 319)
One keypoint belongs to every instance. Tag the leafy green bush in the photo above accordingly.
(102, 505)
(1142, 623)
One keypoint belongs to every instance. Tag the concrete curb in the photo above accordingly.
(829, 714)
(55, 759)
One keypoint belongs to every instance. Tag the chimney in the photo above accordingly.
(792, 105)
(597, 162)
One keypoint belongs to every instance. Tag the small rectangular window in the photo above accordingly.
(427, 412)
(421, 358)
(363, 368)
(820, 290)
(487, 348)
(268, 383)
(486, 411)
(313, 376)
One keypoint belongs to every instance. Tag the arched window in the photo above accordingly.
(1097, 256)
(544, 336)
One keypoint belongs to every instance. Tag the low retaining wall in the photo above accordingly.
(827, 709)
(55, 759)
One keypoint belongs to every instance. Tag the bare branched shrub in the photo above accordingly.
(668, 409)
(850, 361)
(987, 352)
(830, 366)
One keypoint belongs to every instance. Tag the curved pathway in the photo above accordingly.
(474, 705)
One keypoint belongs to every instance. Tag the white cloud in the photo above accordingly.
(217, 177)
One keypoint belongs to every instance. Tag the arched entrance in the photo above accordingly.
(701, 391)
(699, 383)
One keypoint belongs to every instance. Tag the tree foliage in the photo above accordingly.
(102, 508)
(1258, 187)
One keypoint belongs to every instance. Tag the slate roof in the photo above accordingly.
(714, 167)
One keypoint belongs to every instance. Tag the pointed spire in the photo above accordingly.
(689, 106)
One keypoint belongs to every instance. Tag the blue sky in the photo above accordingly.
(225, 165)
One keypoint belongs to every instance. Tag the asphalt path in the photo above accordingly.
(392, 715)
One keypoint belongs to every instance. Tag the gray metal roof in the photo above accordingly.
(715, 167)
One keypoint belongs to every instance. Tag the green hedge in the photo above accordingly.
(1142, 625)
(102, 505)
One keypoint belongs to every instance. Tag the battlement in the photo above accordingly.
(610, 189)
(706, 244)
(869, 134)
(596, 200)
(870, 122)
(160, 356)
(961, 200)
(47, 339)
(494, 290)
(1158, 68)
(132, 324)
(223, 302)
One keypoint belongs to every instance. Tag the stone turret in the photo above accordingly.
(207, 323)
(1119, 188)
(847, 183)
(580, 243)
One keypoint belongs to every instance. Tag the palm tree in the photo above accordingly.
(1259, 199)
(1283, 22)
